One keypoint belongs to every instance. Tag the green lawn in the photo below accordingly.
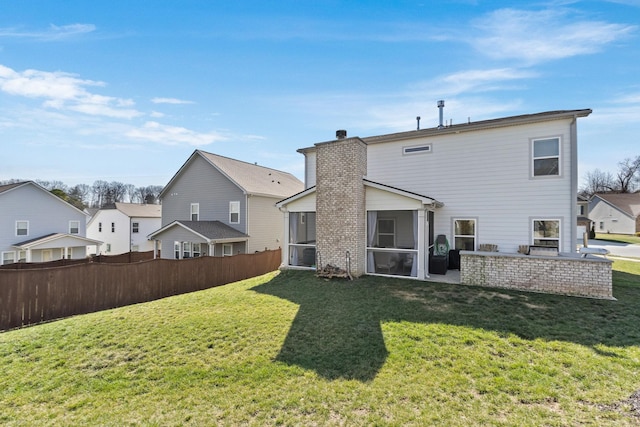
(291, 349)
(623, 238)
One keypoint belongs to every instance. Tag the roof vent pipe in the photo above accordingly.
(418, 120)
(341, 134)
(441, 108)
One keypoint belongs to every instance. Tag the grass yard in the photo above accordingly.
(622, 238)
(291, 349)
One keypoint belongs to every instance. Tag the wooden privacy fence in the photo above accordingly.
(34, 296)
(120, 258)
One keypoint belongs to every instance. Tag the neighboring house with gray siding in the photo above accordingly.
(124, 227)
(218, 206)
(615, 213)
(378, 203)
(37, 226)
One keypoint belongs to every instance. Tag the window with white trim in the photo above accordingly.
(464, 234)
(8, 257)
(108, 247)
(386, 233)
(22, 228)
(546, 157)
(195, 211)
(176, 249)
(227, 249)
(22, 256)
(99, 227)
(135, 227)
(186, 249)
(546, 232)
(74, 227)
(601, 225)
(234, 212)
(197, 251)
(113, 227)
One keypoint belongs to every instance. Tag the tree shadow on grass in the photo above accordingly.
(337, 329)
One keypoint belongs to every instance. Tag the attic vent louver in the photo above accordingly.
(341, 134)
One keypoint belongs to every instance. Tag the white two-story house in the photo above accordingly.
(386, 204)
(124, 227)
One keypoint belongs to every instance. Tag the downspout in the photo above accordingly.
(573, 221)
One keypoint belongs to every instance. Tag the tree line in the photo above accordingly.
(625, 180)
(100, 194)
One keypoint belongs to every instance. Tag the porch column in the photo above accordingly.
(285, 240)
(422, 246)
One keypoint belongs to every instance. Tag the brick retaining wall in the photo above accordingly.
(564, 274)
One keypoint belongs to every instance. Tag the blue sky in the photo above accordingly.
(126, 90)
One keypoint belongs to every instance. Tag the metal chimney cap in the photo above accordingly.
(341, 134)
(441, 103)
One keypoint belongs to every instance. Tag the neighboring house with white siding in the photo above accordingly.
(615, 213)
(38, 226)
(383, 199)
(124, 227)
(218, 206)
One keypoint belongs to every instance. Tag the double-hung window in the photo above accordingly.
(234, 212)
(546, 232)
(8, 257)
(99, 227)
(464, 234)
(135, 227)
(196, 250)
(74, 227)
(195, 211)
(546, 157)
(113, 227)
(22, 228)
(186, 249)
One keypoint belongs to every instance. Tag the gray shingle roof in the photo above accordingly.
(628, 203)
(140, 211)
(214, 230)
(254, 179)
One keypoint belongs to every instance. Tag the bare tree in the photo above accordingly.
(628, 176)
(81, 192)
(99, 193)
(118, 191)
(597, 181)
(131, 193)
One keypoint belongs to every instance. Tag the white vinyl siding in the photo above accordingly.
(486, 174)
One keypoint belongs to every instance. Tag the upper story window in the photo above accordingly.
(195, 211)
(464, 234)
(113, 227)
(74, 227)
(234, 212)
(546, 232)
(99, 227)
(135, 227)
(546, 157)
(22, 228)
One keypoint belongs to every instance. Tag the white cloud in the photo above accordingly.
(64, 91)
(54, 32)
(170, 101)
(537, 36)
(173, 135)
(157, 114)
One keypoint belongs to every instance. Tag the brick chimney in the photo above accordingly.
(340, 202)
